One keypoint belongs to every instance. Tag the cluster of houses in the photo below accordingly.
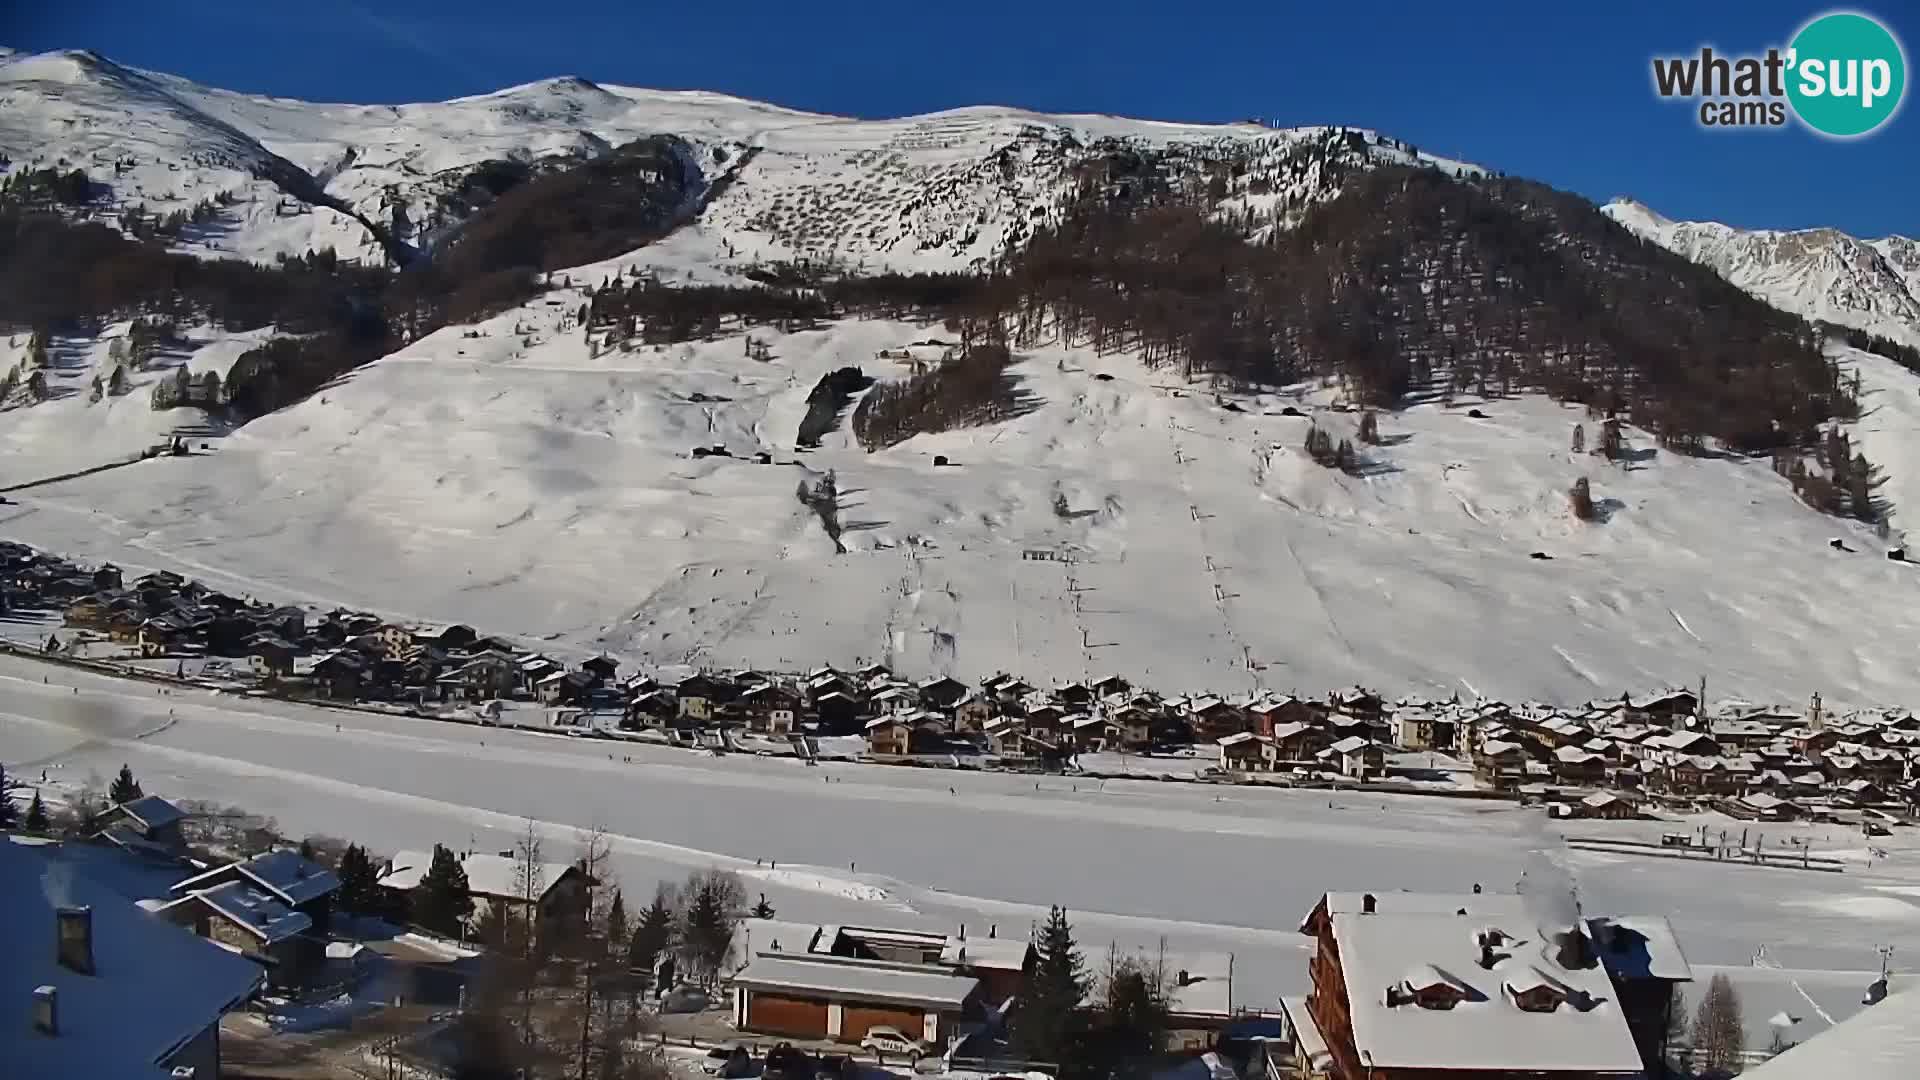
(1753, 762)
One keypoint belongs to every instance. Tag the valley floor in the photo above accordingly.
(1205, 871)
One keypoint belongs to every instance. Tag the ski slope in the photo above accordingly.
(504, 477)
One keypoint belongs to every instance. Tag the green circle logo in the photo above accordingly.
(1847, 74)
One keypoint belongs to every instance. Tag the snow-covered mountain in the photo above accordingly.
(517, 476)
(942, 191)
(1823, 274)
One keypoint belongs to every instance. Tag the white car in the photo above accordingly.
(885, 1040)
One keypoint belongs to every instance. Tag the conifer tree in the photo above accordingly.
(1048, 1025)
(125, 788)
(652, 932)
(441, 902)
(36, 822)
(616, 920)
(359, 892)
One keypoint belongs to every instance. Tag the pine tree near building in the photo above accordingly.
(359, 888)
(441, 902)
(712, 913)
(36, 822)
(1048, 1026)
(652, 933)
(125, 788)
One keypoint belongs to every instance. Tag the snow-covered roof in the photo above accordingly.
(775, 935)
(858, 980)
(1306, 1032)
(1639, 946)
(1208, 990)
(152, 811)
(1352, 744)
(487, 874)
(260, 914)
(1486, 1030)
(987, 954)
(285, 874)
(154, 987)
(1881, 1042)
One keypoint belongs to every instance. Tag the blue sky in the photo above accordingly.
(1552, 90)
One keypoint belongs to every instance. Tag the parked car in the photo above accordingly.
(784, 1062)
(727, 1062)
(881, 1041)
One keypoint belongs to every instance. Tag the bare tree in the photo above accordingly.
(1718, 1035)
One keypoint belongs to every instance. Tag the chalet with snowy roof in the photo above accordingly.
(481, 677)
(558, 890)
(698, 695)
(150, 824)
(1605, 806)
(1358, 758)
(1091, 734)
(1361, 703)
(972, 712)
(1210, 719)
(1663, 707)
(1500, 763)
(99, 986)
(286, 876)
(837, 998)
(894, 701)
(1574, 765)
(771, 708)
(891, 735)
(1420, 729)
(942, 693)
(1422, 986)
(1298, 742)
(1243, 751)
(252, 922)
(270, 655)
(340, 674)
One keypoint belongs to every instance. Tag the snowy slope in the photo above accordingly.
(534, 489)
(942, 191)
(1826, 275)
